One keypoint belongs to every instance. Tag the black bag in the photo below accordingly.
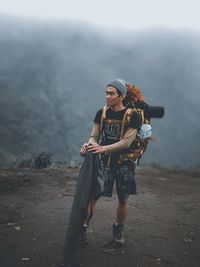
(90, 183)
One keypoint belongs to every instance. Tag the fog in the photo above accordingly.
(53, 78)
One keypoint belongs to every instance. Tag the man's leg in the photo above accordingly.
(89, 215)
(125, 185)
(118, 233)
(90, 211)
(122, 211)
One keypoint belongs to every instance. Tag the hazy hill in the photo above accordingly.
(53, 78)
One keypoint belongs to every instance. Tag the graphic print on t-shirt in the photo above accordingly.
(112, 129)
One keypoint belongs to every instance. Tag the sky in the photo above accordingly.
(112, 14)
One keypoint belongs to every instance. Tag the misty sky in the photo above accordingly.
(112, 14)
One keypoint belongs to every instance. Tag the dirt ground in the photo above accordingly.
(162, 227)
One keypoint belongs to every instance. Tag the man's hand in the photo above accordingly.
(95, 148)
(83, 149)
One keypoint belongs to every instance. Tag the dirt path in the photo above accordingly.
(162, 228)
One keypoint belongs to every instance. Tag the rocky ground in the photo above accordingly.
(162, 227)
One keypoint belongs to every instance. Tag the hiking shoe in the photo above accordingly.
(118, 234)
(83, 235)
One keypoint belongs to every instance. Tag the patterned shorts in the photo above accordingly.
(123, 174)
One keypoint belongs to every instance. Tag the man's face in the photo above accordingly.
(112, 96)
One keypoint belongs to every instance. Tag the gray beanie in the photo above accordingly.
(120, 85)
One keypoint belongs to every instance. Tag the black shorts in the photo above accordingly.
(123, 174)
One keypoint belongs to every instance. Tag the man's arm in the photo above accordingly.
(124, 143)
(94, 138)
(95, 134)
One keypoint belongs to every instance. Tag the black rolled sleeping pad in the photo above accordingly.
(154, 112)
(151, 111)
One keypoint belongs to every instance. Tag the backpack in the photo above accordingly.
(139, 145)
(134, 101)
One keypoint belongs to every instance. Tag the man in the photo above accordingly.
(107, 142)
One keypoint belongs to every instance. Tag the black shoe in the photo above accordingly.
(83, 235)
(118, 234)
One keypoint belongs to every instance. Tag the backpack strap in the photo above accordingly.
(141, 111)
(126, 118)
(103, 116)
(142, 114)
